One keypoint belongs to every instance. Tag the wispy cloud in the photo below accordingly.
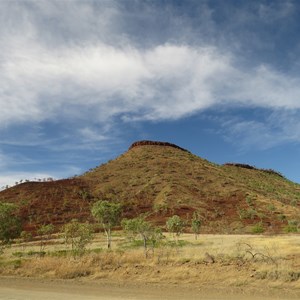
(100, 82)
(99, 79)
(272, 12)
(76, 66)
(273, 129)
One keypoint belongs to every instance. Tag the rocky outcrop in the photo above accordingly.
(245, 166)
(155, 143)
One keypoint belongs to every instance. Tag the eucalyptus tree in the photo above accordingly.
(148, 233)
(108, 214)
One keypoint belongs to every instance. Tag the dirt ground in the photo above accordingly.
(37, 289)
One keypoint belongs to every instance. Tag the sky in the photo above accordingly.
(82, 80)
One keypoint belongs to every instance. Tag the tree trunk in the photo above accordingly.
(108, 237)
(145, 246)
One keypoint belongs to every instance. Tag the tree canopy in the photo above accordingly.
(10, 224)
(175, 225)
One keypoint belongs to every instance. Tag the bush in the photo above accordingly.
(258, 228)
(271, 207)
(78, 235)
(292, 226)
(249, 213)
(175, 225)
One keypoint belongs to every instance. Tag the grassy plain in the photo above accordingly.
(243, 262)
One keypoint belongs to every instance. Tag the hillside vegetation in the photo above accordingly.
(162, 179)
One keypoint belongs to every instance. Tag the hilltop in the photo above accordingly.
(163, 179)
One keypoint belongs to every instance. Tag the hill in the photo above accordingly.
(163, 179)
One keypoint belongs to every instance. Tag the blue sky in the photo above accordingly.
(81, 80)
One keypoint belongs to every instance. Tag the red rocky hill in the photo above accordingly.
(163, 179)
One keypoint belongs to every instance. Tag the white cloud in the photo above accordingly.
(265, 87)
(107, 81)
(101, 81)
(76, 63)
(90, 134)
(46, 74)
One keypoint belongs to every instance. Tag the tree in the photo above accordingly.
(139, 226)
(45, 232)
(78, 235)
(10, 224)
(108, 214)
(175, 225)
(196, 224)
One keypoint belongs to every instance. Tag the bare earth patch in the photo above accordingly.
(36, 289)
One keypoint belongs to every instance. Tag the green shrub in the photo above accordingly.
(249, 213)
(257, 228)
(18, 254)
(36, 253)
(282, 217)
(78, 235)
(292, 226)
(271, 207)
(59, 253)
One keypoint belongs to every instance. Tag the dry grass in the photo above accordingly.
(237, 261)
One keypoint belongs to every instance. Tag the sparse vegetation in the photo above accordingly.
(248, 213)
(216, 260)
(165, 181)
